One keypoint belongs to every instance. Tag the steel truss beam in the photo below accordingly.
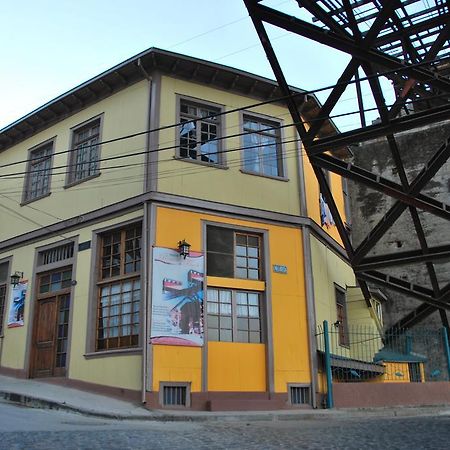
(376, 51)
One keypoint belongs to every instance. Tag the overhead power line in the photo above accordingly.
(234, 110)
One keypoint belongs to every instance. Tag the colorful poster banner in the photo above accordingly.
(17, 305)
(177, 298)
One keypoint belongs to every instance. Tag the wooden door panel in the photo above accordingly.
(44, 343)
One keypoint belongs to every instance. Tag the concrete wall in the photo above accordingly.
(368, 207)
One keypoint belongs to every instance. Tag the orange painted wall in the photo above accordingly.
(239, 366)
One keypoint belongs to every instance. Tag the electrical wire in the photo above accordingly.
(21, 175)
(234, 110)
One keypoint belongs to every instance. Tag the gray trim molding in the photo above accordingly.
(135, 203)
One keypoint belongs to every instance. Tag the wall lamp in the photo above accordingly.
(183, 248)
(16, 277)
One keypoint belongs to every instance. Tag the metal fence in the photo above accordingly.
(362, 353)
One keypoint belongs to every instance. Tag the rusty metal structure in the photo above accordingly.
(406, 41)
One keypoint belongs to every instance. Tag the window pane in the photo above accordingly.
(225, 309)
(241, 273)
(220, 265)
(242, 336)
(241, 251)
(255, 337)
(253, 299)
(225, 322)
(226, 335)
(220, 240)
(241, 298)
(253, 274)
(213, 308)
(213, 322)
(225, 296)
(253, 311)
(213, 295)
(213, 334)
(242, 311)
(242, 324)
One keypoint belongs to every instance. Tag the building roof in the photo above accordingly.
(138, 68)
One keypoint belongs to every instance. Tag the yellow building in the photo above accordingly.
(100, 190)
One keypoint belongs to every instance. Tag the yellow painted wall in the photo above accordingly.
(312, 196)
(328, 268)
(224, 185)
(122, 371)
(290, 336)
(124, 113)
(396, 372)
(176, 363)
(236, 367)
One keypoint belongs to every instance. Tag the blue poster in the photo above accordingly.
(17, 305)
(177, 298)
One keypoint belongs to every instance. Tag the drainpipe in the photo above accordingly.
(145, 240)
(308, 276)
(145, 303)
(326, 338)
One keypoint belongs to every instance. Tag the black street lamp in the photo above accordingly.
(183, 248)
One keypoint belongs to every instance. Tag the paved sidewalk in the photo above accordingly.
(39, 394)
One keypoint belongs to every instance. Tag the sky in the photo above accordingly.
(51, 46)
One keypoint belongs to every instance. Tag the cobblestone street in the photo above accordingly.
(22, 428)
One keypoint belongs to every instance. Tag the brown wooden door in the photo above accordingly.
(44, 343)
(51, 326)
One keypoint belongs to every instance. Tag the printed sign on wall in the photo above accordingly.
(17, 305)
(177, 298)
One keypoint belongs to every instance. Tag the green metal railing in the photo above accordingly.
(361, 353)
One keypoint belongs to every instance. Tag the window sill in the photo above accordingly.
(271, 177)
(236, 283)
(34, 199)
(116, 352)
(75, 183)
(201, 163)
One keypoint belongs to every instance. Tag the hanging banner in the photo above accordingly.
(17, 305)
(177, 298)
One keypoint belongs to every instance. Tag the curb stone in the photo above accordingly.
(242, 416)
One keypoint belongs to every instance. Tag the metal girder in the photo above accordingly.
(373, 39)
(381, 184)
(402, 258)
(370, 132)
(411, 289)
(331, 39)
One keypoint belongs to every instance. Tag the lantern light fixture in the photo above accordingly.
(183, 248)
(16, 277)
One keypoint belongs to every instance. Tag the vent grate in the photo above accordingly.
(56, 254)
(174, 396)
(299, 395)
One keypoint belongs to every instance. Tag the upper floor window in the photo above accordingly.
(37, 182)
(233, 254)
(199, 131)
(84, 157)
(119, 288)
(262, 147)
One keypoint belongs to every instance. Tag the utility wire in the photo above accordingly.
(234, 110)
(20, 175)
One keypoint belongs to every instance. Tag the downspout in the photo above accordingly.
(145, 361)
(309, 280)
(146, 231)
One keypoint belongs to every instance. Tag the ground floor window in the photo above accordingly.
(234, 315)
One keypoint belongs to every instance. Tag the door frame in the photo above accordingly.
(43, 297)
(39, 269)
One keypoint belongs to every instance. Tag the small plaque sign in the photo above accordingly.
(280, 269)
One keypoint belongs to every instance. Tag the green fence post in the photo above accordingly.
(326, 339)
(447, 349)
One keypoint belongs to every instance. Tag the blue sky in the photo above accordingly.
(51, 46)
